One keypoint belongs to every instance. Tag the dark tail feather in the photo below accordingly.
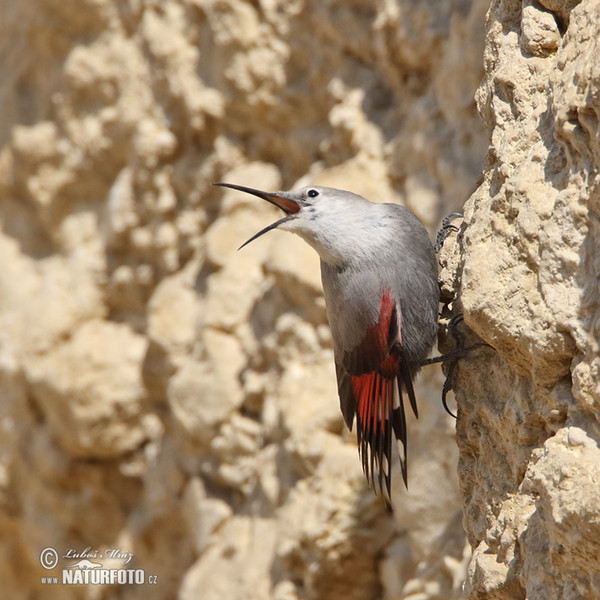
(373, 432)
(388, 441)
(405, 380)
(399, 425)
(375, 422)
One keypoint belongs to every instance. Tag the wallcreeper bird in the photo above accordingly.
(379, 274)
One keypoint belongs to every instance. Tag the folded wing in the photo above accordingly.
(372, 380)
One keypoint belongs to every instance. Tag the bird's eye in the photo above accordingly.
(312, 193)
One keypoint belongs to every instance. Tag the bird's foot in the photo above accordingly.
(447, 226)
(453, 356)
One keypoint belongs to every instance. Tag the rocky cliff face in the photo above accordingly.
(528, 426)
(163, 395)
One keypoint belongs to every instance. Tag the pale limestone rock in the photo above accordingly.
(219, 456)
(248, 543)
(258, 175)
(153, 141)
(539, 32)
(295, 264)
(174, 313)
(202, 394)
(308, 395)
(238, 437)
(561, 7)
(204, 515)
(98, 412)
(227, 235)
(233, 291)
(528, 424)
(330, 520)
(566, 475)
(55, 295)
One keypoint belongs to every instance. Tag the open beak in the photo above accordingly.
(280, 199)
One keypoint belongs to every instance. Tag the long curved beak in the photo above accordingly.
(280, 199)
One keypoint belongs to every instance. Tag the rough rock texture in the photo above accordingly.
(164, 395)
(528, 427)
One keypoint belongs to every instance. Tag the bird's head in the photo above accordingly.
(327, 218)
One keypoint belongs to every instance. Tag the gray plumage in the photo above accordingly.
(379, 274)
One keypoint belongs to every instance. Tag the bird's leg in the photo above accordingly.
(459, 341)
(447, 226)
(459, 351)
(453, 356)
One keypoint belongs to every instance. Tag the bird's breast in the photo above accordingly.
(353, 300)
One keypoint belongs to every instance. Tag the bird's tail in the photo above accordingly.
(380, 417)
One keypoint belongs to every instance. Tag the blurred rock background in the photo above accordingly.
(165, 395)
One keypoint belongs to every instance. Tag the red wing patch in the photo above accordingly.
(374, 395)
(378, 396)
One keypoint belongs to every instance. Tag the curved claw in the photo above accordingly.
(447, 387)
(453, 356)
(447, 226)
(445, 405)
